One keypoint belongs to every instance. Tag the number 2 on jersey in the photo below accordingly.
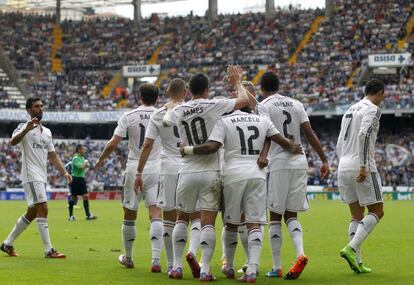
(255, 135)
(286, 123)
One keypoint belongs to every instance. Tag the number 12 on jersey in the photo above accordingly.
(255, 135)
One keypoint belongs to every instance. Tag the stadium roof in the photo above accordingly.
(47, 4)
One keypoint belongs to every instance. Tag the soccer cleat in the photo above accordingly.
(176, 273)
(249, 278)
(126, 261)
(72, 218)
(364, 269)
(194, 266)
(275, 273)
(9, 249)
(156, 266)
(204, 277)
(54, 254)
(297, 268)
(349, 254)
(91, 217)
(242, 269)
(229, 272)
(169, 268)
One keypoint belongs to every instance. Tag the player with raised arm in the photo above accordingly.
(199, 179)
(36, 144)
(243, 134)
(287, 180)
(358, 178)
(170, 163)
(134, 124)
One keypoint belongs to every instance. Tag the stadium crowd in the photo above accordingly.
(111, 176)
(93, 50)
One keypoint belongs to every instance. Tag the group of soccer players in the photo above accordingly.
(190, 160)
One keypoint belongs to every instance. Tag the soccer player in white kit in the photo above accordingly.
(170, 163)
(243, 134)
(358, 179)
(134, 124)
(287, 180)
(199, 179)
(36, 144)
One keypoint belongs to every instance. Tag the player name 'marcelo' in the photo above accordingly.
(244, 119)
(283, 104)
(192, 111)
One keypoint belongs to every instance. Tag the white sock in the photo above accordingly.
(230, 245)
(364, 229)
(208, 243)
(19, 227)
(43, 228)
(167, 238)
(244, 238)
(128, 237)
(296, 234)
(195, 232)
(275, 237)
(255, 246)
(180, 235)
(156, 238)
(353, 225)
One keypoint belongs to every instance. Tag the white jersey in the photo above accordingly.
(287, 115)
(242, 135)
(195, 120)
(356, 141)
(170, 142)
(134, 124)
(35, 146)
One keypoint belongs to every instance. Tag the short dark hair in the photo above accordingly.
(148, 93)
(269, 81)
(373, 87)
(29, 101)
(198, 83)
(176, 86)
(78, 147)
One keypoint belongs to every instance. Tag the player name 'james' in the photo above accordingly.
(192, 111)
(244, 119)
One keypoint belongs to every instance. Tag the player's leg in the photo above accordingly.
(83, 188)
(209, 199)
(169, 218)
(357, 214)
(230, 246)
(195, 233)
(130, 202)
(243, 236)
(277, 193)
(21, 224)
(71, 201)
(296, 202)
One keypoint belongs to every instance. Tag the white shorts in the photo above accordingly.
(167, 192)
(130, 199)
(287, 191)
(201, 187)
(248, 197)
(35, 192)
(366, 193)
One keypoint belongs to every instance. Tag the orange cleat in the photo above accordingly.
(54, 254)
(9, 249)
(297, 268)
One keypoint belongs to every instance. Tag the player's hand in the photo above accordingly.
(262, 162)
(99, 164)
(182, 150)
(86, 164)
(296, 148)
(361, 175)
(33, 123)
(68, 177)
(234, 75)
(139, 183)
(324, 170)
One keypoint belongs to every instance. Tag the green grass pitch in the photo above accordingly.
(92, 248)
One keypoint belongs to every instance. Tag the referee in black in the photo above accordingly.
(78, 185)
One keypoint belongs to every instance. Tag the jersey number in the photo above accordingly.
(286, 123)
(255, 135)
(176, 134)
(348, 116)
(192, 133)
(141, 135)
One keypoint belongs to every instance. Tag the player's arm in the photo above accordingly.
(108, 149)
(288, 145)
(54, 159)
(235, 75)
(208, 147)
(18, 135)
(262, 161)
(316, 145)
(143, 158)
(169, 118)
(368, 121)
